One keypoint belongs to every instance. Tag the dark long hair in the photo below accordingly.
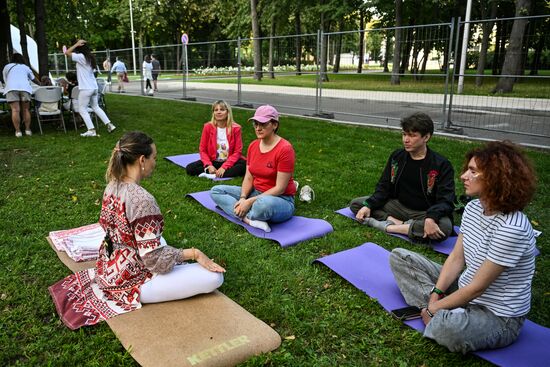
(128, 149)
(18, 58)
(85, 50)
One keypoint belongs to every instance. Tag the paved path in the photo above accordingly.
(479, 116)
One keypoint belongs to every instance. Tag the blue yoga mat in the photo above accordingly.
(291, 232)
(183, 160)
(367, 267)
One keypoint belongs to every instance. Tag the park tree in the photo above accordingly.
(512, 60)
(40, 36)
(257, 42)
(395, 78)
(5, 36)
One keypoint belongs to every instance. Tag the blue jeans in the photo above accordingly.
(467, 329)
(270, 208)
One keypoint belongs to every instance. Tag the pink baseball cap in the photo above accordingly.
(265, 113)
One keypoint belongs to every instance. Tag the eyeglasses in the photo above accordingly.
(257, 124)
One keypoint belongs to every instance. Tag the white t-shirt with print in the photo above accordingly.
(222, 144)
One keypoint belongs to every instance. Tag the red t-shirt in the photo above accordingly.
(264, 166)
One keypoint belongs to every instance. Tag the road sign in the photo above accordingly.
(184, 38)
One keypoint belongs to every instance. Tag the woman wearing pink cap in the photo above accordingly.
(267, 192)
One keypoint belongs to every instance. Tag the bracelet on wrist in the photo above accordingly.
(437, 291)
(242, 197)
(194, 254)
(429, 312)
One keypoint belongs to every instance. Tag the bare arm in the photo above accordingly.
(70, 50)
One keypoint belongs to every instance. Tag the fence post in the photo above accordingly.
(140, 57)
(448, 123)
(239, 95)
(109, 75)
(56, 65)
(317, 84)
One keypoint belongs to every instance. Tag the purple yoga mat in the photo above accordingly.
(367, 268)
(294, 230)
(184, 159)
(443, 247)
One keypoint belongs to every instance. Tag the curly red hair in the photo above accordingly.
(508, 176)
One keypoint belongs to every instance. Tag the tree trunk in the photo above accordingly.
(407, 51)
(338, 52)
(298, 42)
(257, 42)
(21, 25)
(40, 35)
(323, 61)
(512, 60)
(387, 52)
(395, 78)
(538, 50)
(361, 40)
(271, 47)
(499, 47)
(487, 29)
(5, 36)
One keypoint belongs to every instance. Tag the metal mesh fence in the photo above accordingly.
(359, 82)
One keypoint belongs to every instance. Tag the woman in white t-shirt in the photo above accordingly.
(480, 297)
(87, 85)
(18, 92)
(147, 74)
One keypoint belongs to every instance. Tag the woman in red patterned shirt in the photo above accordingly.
(135, 265)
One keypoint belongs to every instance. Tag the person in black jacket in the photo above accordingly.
(416, 191)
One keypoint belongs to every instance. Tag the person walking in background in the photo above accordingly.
(120, 69)
(17, 76)
(87, 85)
(156, 70)
(107, 68)
(147, 68)
(480, 296)
(221, 145)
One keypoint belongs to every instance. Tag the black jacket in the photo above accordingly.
(436, 177)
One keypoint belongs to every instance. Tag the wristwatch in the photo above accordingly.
(437, 291)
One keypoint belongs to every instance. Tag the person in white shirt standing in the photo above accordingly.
(87, 85)
(18, 92)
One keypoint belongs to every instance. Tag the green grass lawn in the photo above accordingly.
(527, 88)
(55, 181)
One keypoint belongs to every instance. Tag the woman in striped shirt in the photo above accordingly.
(480, 296)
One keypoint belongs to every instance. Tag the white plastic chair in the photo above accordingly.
(74, 107)
(48, 95)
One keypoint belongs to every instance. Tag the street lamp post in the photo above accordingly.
(132, 32)
(464, 47)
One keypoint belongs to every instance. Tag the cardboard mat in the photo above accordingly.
(205, 330)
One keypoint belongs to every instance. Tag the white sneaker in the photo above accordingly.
(208, 175)
(89, 133)
(110, 127)
(28, 132)
(18, 134)
(307, 194)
